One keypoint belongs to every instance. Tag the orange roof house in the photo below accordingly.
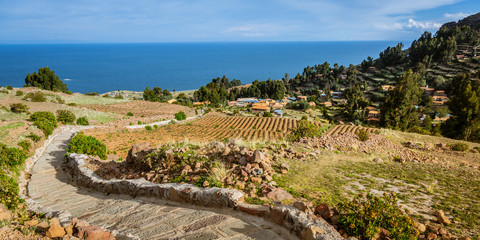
(302, 98)
(312, 104)
(387, 87)
(326, 104)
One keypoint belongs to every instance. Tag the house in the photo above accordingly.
(292, 99)
(247, 101)
(343, 76)
(387, 87)
(442, 119)
(373, 120)
(373, 114)
(428, 90)
(299, 98)
(232, 103)
(439, 97)
(201, 103)
(460, 57)
(372, 69)
(326, 104)
(336, 94)
(277, 106)
(172, 100)
(312, 104)
(278, 112)
(260, 107)
(370, 108)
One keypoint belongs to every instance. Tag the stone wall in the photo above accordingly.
(302, 224)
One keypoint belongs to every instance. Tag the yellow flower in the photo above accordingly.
(352, 225)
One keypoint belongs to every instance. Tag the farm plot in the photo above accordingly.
(340, 129)
(202, 130)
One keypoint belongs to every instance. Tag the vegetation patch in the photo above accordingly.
(45, 121)
(87, 145)
(65, 116)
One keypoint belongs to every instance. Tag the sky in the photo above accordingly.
(127, 21)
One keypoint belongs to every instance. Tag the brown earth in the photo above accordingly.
(143, 108)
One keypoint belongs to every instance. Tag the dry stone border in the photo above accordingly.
(289, 217)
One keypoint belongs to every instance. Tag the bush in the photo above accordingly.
(45, 121)
(18, 108)
(362, 134)
(19, 93)
(118, 96)
(34, 137)
(148, 128)
(180, 116)
(36, 97)
(130, 114)
(60, 100)
(461, 147)
(106, 96)
(9, 87)
(25, 145)
(267, 114)
(11, 156)
(305, 129)
(65, 116)
(365, 215)
(4, 91)
(83, 121)
(72, 104)
(92, 94)
(46, 79)
(9, 192)
(155, 126)
(87, 145)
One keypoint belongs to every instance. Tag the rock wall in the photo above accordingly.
(303, 225)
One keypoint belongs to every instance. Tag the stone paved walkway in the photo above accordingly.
(143, 218)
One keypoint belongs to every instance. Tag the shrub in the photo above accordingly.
(180, 116)
(130, 114)
(72, 104)
(267, 114)
(461, 147)
(4, 91)
(18, 108)
(362, 134)
(305, 129)
(155, 126)
(148, 128)
(36, 97)
(118, 96)
(60, 100)
(87, 145)
(11, 156)
(83, 121)
(46, 79)
(45, 121)
(139, 122)
(34, 137)
(365, 215)
(9, 87)
(106, 96)
(92, 94)
(9, 192)
(19, 93)
(25, 145)
(65, 116)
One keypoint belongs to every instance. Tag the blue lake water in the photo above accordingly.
(179, 66)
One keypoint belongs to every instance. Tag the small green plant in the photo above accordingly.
(34, 137)
(118, 96)
(19, 93)
(4, 91)
(267, 114)
(180, 116)
(25, 145)
(155, 126)
(65, 116)
(9, 192)
(139, 122)
(36, 97)
(305, 129)
(83, 121)
(461, 147)
(11, 156)
(9, 87)
(255, 200)
(130, 114)
(60, 100)
(365, 215)
(362, 134)
(148, 128)
(18, 108)
(87, 145)
(45, 121)
(72, 104)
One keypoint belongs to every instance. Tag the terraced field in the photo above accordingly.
(340, 129)
(202, 130)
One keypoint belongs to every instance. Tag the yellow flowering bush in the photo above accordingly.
(365, 215)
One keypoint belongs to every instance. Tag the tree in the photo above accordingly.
(355, 101)
(465, 108)
(45, 79)
(399, 109)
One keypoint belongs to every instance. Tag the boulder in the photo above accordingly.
(30, 223)
(42, 225)
(279, 195)
(94, 233)
(441, 218)
(55, 231)
(313, 231)
(258, 157)
(138, 152)
(420, 227)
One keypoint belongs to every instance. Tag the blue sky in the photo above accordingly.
(110, 21)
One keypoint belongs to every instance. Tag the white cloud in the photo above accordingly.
(456, 16)
(422, 25)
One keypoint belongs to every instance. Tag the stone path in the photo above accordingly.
(141, 218)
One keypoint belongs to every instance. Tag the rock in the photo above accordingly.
(226, 151)
(257, 172)
(5, 214)
(138, 152)
(242, 161)
(69, 230)
(420, 227)
(30, 223)
(442, 231)
(55, 231)
(382, 234)
(78, 223)
(258, 157)
(42, 225)
(378, 160)
(54, 221)
(431, 236)
(240, 185)
(256, 210)
(313, 231)
(94, 233)
(302, 206)
(4, 229)
(441, 218)
(285, 166)
(256, 179)
(268, 178)
(279, 194)
(464, 238)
